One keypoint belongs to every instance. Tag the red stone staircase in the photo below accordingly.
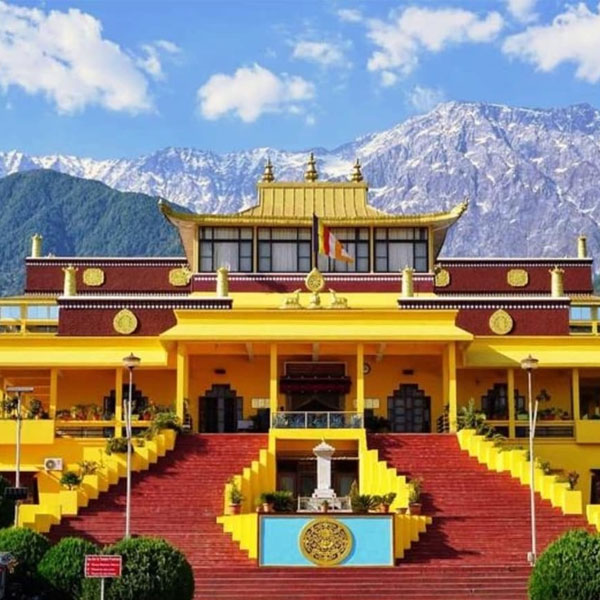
(475, 548)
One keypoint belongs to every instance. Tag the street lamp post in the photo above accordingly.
(529, 364)
(130, 362)
(18, 390)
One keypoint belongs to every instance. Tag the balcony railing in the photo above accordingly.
(310, 504)
(316, 420)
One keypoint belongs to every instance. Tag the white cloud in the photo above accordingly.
(64, 56)
(522, 10)
(388, 78)
(323, 53)
(572, 37)
(414, 30)
(152, 61)
(310, 120)
(349, 15)
(251, 92)
(424, 99)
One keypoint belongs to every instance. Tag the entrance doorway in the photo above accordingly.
(220, 409)
(409, 410)
(595, 487)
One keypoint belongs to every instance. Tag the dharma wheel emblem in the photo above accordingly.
(125, 322)
(179, 277)
(442, 278)
(315, 282)
(501, 322)
(517, 278)
(93, 277)
(325, 542)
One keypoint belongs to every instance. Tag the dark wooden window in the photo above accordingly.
(229, 247)
(356, 242)
(399, 247)
(284, 249)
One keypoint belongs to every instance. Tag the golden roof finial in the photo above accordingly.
(267, 175)
(311, 170)
(357, 175)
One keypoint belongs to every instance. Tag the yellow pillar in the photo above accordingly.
(452, 397)
(575, 395)
(182, 380)
(510, 386)
(273, 380)
(445, 386)
(360, 379)
(53, 393)
(118, 401)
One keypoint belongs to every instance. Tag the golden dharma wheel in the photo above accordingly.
(501, 322)
(179, 277)
(325, 542)
(315, 282)
(517, 277)
(125, 322)
(93, 277)
(442, 278)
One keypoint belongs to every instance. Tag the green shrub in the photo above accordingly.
(283, 501)
(166, 420)
(28, 548)
(7, 507)
(569, 569)
(116, 445)
(70, 480)
(152, 569)
(363, 503)
(62, 567)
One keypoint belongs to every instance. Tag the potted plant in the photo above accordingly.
(414, 495)
(283, 501)
(235, 498)
(71, 480)
(88, 467)
(94, 412)
(118, 445)
(267, 499)
(324, 506)
(386, 501)
(35, 410)
(363, 503)
(572, 479)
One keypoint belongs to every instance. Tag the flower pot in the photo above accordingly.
(385, 508)
(402, 510)
(267, 507)
(235, 509)
(415, 509)
(324, 508)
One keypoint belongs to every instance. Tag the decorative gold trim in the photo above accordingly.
(517, 277)
(93, 277)
(315, 282)
(501, 322)
(125, 322)
(442, 278)
(179, 277)
(325, 542)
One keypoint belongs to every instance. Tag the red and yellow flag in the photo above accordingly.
(327, 244)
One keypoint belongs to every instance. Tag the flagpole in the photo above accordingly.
(315, 241)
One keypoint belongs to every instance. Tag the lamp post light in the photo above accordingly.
(129, 362)
(530, 364)
(17, 493)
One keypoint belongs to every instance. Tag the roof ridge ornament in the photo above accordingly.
(356, 175)
(268, 176)
(311, 173)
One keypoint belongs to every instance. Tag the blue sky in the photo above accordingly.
(117, 78)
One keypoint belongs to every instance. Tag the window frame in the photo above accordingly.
(270, 242)
(356, 240)
(239, 240)
(406, 242)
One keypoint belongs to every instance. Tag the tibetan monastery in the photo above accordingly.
(316, 385)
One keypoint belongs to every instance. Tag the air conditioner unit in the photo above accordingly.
(53, 464)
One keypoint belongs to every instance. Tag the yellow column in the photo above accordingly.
(53, 393)
(182, 380)
(575, 395)
(445, 387)
(273, 380)
(510, 385)
(452, 399)
(360, 379)
(118, 401)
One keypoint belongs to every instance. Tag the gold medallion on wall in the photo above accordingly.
(325, 542)
(501, 322)
(517, 277)
(125, 322)
(179, 277)
(442, 278)
(93, 277)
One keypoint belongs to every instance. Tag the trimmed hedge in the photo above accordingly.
(152, 570)
(569, 569)
(28, 548)
(62, 567)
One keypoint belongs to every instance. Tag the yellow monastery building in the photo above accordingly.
(281, 362)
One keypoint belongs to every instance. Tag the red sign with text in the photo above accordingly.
(103, 566)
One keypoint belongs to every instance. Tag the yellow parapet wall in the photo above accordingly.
(515, 461)
(56, 502)
(375, 477)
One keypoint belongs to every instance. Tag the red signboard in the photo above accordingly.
(103, 566)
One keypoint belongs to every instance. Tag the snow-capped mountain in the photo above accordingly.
(531, 176)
